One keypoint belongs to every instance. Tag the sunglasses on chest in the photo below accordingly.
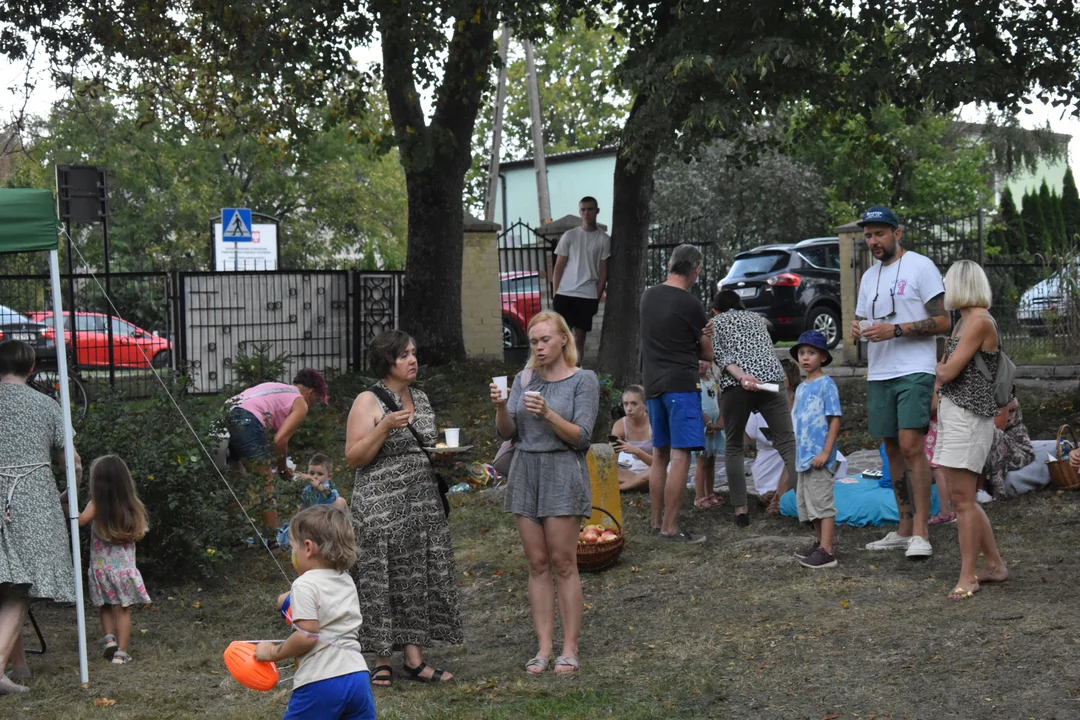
(892, 294)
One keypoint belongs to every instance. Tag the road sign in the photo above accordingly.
(236, 224)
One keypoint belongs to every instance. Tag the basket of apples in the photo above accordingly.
(599, 547)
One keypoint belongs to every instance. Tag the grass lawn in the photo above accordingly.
(733, 628)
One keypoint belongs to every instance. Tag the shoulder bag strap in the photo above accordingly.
(388, 401)
(980, 363)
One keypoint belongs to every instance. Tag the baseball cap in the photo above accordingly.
(879, 215)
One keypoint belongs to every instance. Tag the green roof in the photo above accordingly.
(27, 220)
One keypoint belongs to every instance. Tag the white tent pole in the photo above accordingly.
(69, 457)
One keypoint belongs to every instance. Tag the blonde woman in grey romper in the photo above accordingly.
(551, 422)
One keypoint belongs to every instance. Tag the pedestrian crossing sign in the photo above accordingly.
(236, 225)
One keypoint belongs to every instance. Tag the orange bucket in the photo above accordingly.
(246, 670)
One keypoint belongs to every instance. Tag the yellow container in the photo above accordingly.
(604, 479)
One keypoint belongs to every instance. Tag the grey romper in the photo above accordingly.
(548, 477)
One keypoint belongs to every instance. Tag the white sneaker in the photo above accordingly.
(983, 497)
(919, 548)
(892, 541)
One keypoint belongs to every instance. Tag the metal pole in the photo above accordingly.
(69, 458)
(539, 162)
(108, 288)
(497, 123)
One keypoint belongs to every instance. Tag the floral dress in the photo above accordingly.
(112, 576)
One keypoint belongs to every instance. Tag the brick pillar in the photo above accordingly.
(481, 307)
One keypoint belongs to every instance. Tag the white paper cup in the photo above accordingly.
(500, 382)
(534, 393)
(865, 325)
(453, 436)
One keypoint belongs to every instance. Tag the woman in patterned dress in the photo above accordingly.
(35, 562)
(550, 415)
(1011, 450)
(405, 563)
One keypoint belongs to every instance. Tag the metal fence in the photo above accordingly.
(1036, 298)
(218, 327)
(704, 233)
(526, 266)
(121, 348)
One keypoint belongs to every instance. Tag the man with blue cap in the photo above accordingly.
(901, 308)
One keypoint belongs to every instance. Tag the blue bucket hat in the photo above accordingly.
(879, 215)
(813, 339)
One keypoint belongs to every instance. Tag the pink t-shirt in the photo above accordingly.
(268, 400)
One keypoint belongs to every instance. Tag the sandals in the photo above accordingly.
(382, 680)
(120, 658)
(569, 663)
(537, 665)
(109, 646)
(709, 501)
(438, 675)
(958, 593)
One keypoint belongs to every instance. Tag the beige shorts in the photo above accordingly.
(964, 439)
(814, 495)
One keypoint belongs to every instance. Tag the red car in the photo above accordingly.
(520, 295)
(133, 347)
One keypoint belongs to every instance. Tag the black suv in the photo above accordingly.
(795, 287)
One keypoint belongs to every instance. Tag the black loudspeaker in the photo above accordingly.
(82, 193)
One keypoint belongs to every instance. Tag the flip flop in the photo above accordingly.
(565, 661)
(537, 665)
(958, 593)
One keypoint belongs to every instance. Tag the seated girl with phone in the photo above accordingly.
(631, 438)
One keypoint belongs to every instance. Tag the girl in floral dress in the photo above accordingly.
(119, 520)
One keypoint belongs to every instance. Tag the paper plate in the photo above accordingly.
(449, 450)
(246, 670)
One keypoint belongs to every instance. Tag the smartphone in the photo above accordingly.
(613, 439)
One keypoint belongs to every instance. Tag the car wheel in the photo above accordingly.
(161, 359)
(510, 333)
(826, 322)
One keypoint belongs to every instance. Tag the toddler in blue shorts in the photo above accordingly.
(331, 682)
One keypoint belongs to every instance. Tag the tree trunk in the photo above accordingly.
(431, 300)
(436, 157)
(620, 340)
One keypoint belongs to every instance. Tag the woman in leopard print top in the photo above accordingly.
(966, 420)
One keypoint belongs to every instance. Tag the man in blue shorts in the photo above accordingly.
(672, 341)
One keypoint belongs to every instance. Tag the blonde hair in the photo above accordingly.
(966, 286)
(119, 514)
(329, 528)
(569, 350)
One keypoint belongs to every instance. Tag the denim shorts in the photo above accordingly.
(676, 421)
(247, 437)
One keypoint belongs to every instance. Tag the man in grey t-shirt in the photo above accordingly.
(581, 272)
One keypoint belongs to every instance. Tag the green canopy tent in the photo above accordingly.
(28, 224)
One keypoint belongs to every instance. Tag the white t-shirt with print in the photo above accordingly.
(917, 281)
(329, 597)
(583, 251)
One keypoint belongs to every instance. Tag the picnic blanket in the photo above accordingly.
(859, 502)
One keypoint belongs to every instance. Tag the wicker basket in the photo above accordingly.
(594, 558)
(1062, 475)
